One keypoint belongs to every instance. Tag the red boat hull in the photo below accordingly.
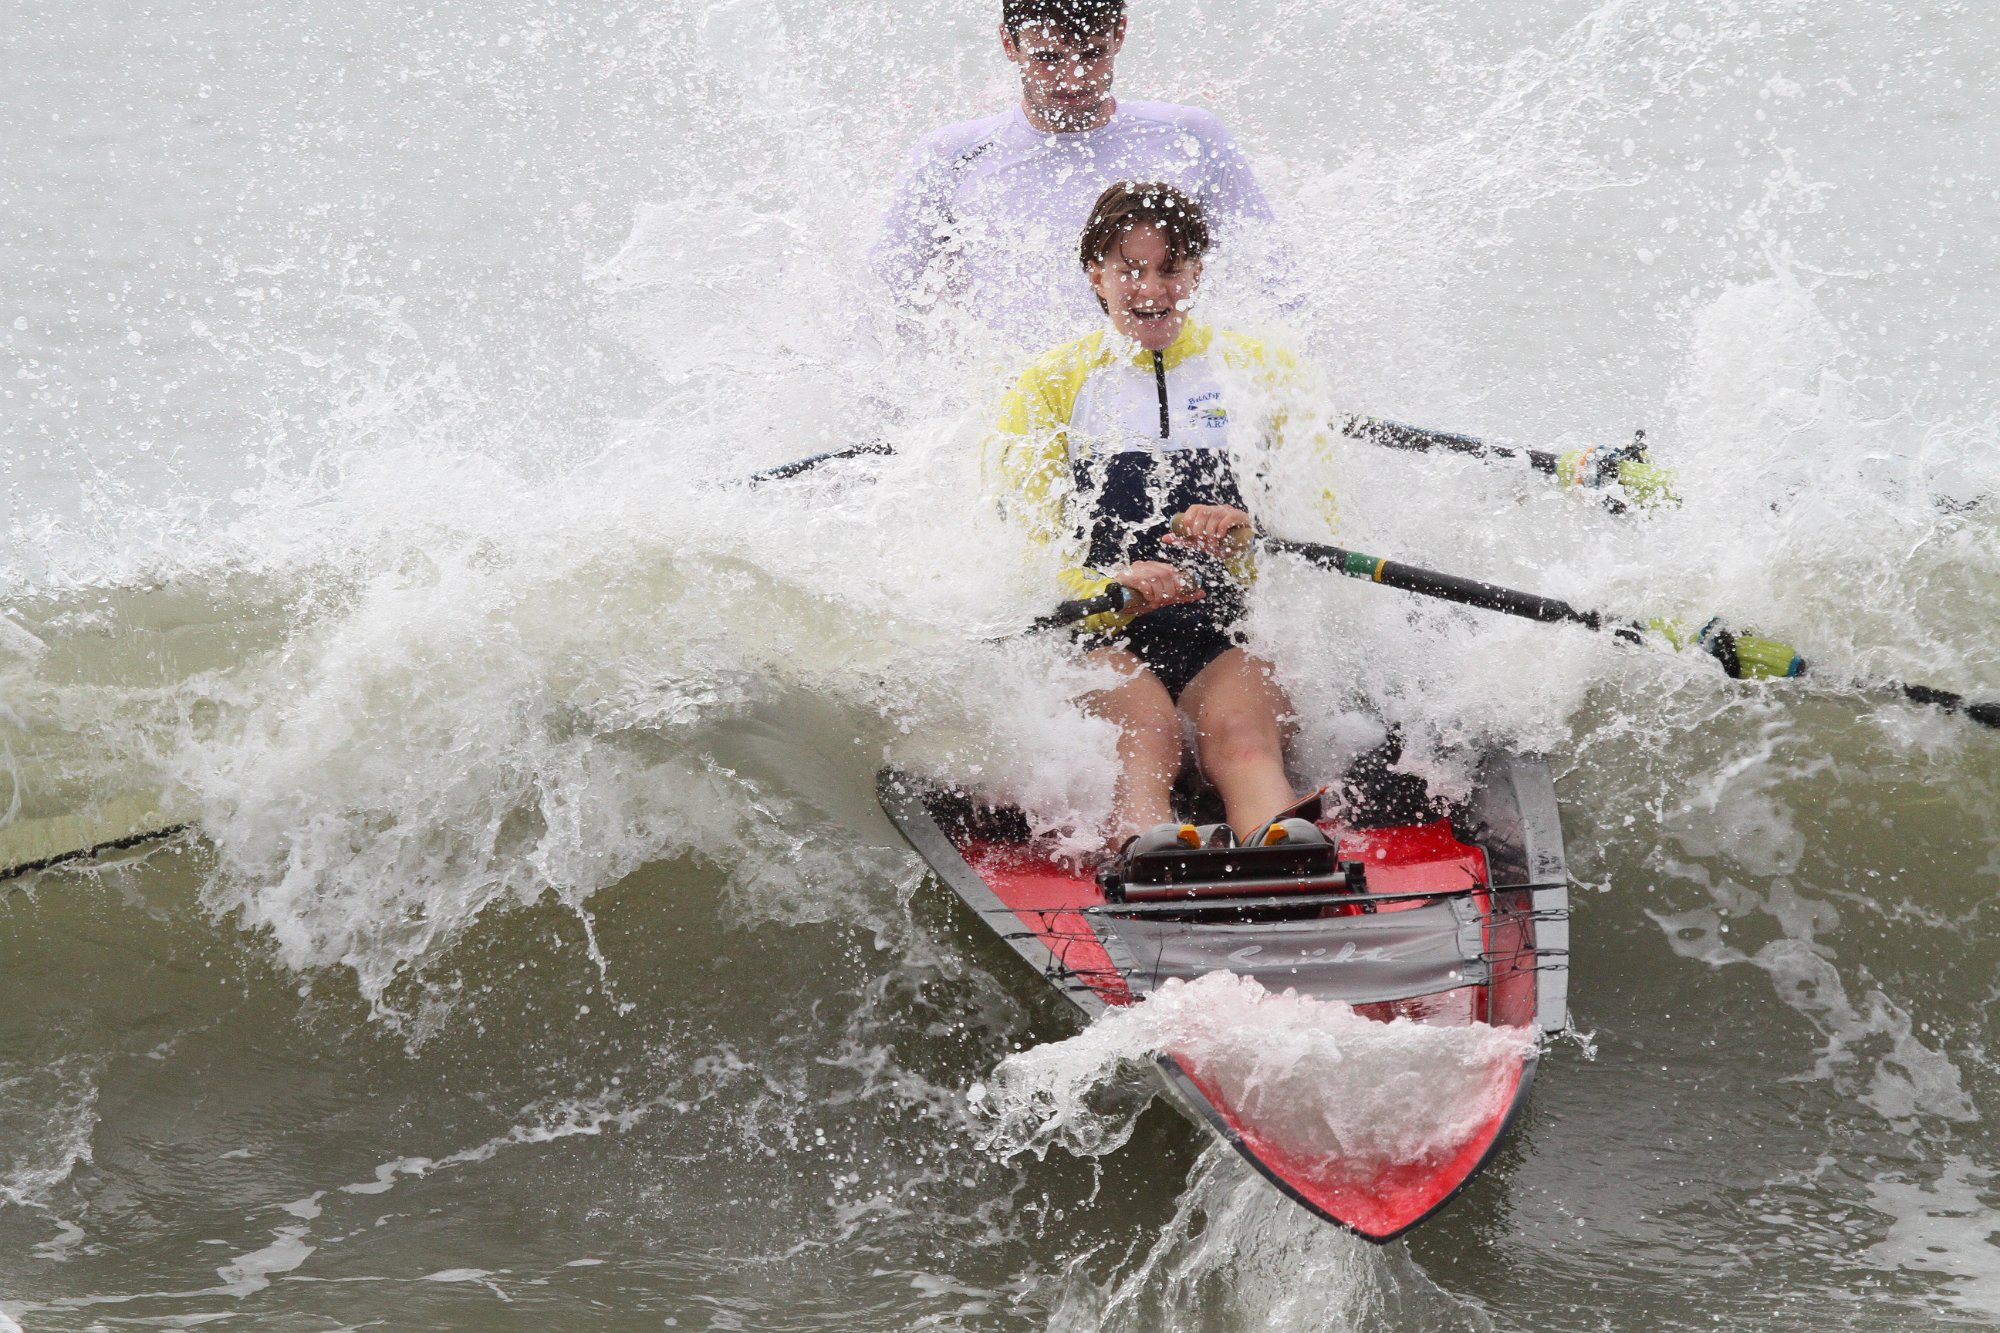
(1436, 936)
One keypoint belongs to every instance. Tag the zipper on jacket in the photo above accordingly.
(1160, 378)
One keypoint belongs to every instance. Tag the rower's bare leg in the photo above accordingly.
(1240, 718)
(1149, 742)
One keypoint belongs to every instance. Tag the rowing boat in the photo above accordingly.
(1450, 917)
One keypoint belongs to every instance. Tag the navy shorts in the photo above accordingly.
(1175, 643)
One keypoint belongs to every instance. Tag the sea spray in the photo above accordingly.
(1312, 1075)
(1238, 1255)
(48, 1112)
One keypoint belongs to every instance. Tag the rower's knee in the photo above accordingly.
(1237, 739)
(1147, 733)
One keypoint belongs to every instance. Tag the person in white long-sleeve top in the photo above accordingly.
(988, 212)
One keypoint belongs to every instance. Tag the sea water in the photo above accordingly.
(377, 384)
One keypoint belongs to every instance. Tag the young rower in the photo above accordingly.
(988, 209)
(1135, 451)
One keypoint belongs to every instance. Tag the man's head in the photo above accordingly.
(1072, 18)
(1142, 249)
(1065, 50)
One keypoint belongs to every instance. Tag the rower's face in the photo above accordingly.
(1064, 80)
(1146, 291)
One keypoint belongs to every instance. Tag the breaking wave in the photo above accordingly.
(1310, 1074)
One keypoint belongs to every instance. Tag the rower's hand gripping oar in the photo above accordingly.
(1115, 597)
(1743, 656)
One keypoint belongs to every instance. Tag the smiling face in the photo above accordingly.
(1065, 79)
(1146, 289)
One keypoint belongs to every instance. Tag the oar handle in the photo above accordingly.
(1115, 597)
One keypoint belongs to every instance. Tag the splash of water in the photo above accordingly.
(1238, 1255)
(1310, 1074)
(47, 1115)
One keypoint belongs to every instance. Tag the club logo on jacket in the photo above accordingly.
(1208, 411)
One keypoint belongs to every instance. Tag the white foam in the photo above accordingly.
(565, 1118)
(47, 1117)
(1943, 1229)
(250, 1273)
(1311, 1076)
(1909, 1077)
(1744, 849)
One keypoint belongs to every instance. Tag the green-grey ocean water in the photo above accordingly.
(373, 380)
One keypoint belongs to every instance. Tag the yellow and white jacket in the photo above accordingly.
(1100, 443)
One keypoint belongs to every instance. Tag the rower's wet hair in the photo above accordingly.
(1126, 204)
(1074, 19)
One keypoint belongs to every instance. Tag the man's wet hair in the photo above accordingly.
(1127, 204)
(1074, 19)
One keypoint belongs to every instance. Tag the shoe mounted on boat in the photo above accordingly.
(1289, 855)
(1175, 835)
(1279, 831)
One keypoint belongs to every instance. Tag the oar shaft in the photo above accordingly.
(807, 464)
(1452, 588)
(1729, 649)
(1986, 714)
(93, 849)
(1402, 435)
(1374, 430)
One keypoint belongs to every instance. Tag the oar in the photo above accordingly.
(91, 849)
(807, 464)
(1390, 434)
(1594, 468)
(1400, 435)
(1113, 598)
(1743, 656)
(1645, 483)
(1452, 588)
